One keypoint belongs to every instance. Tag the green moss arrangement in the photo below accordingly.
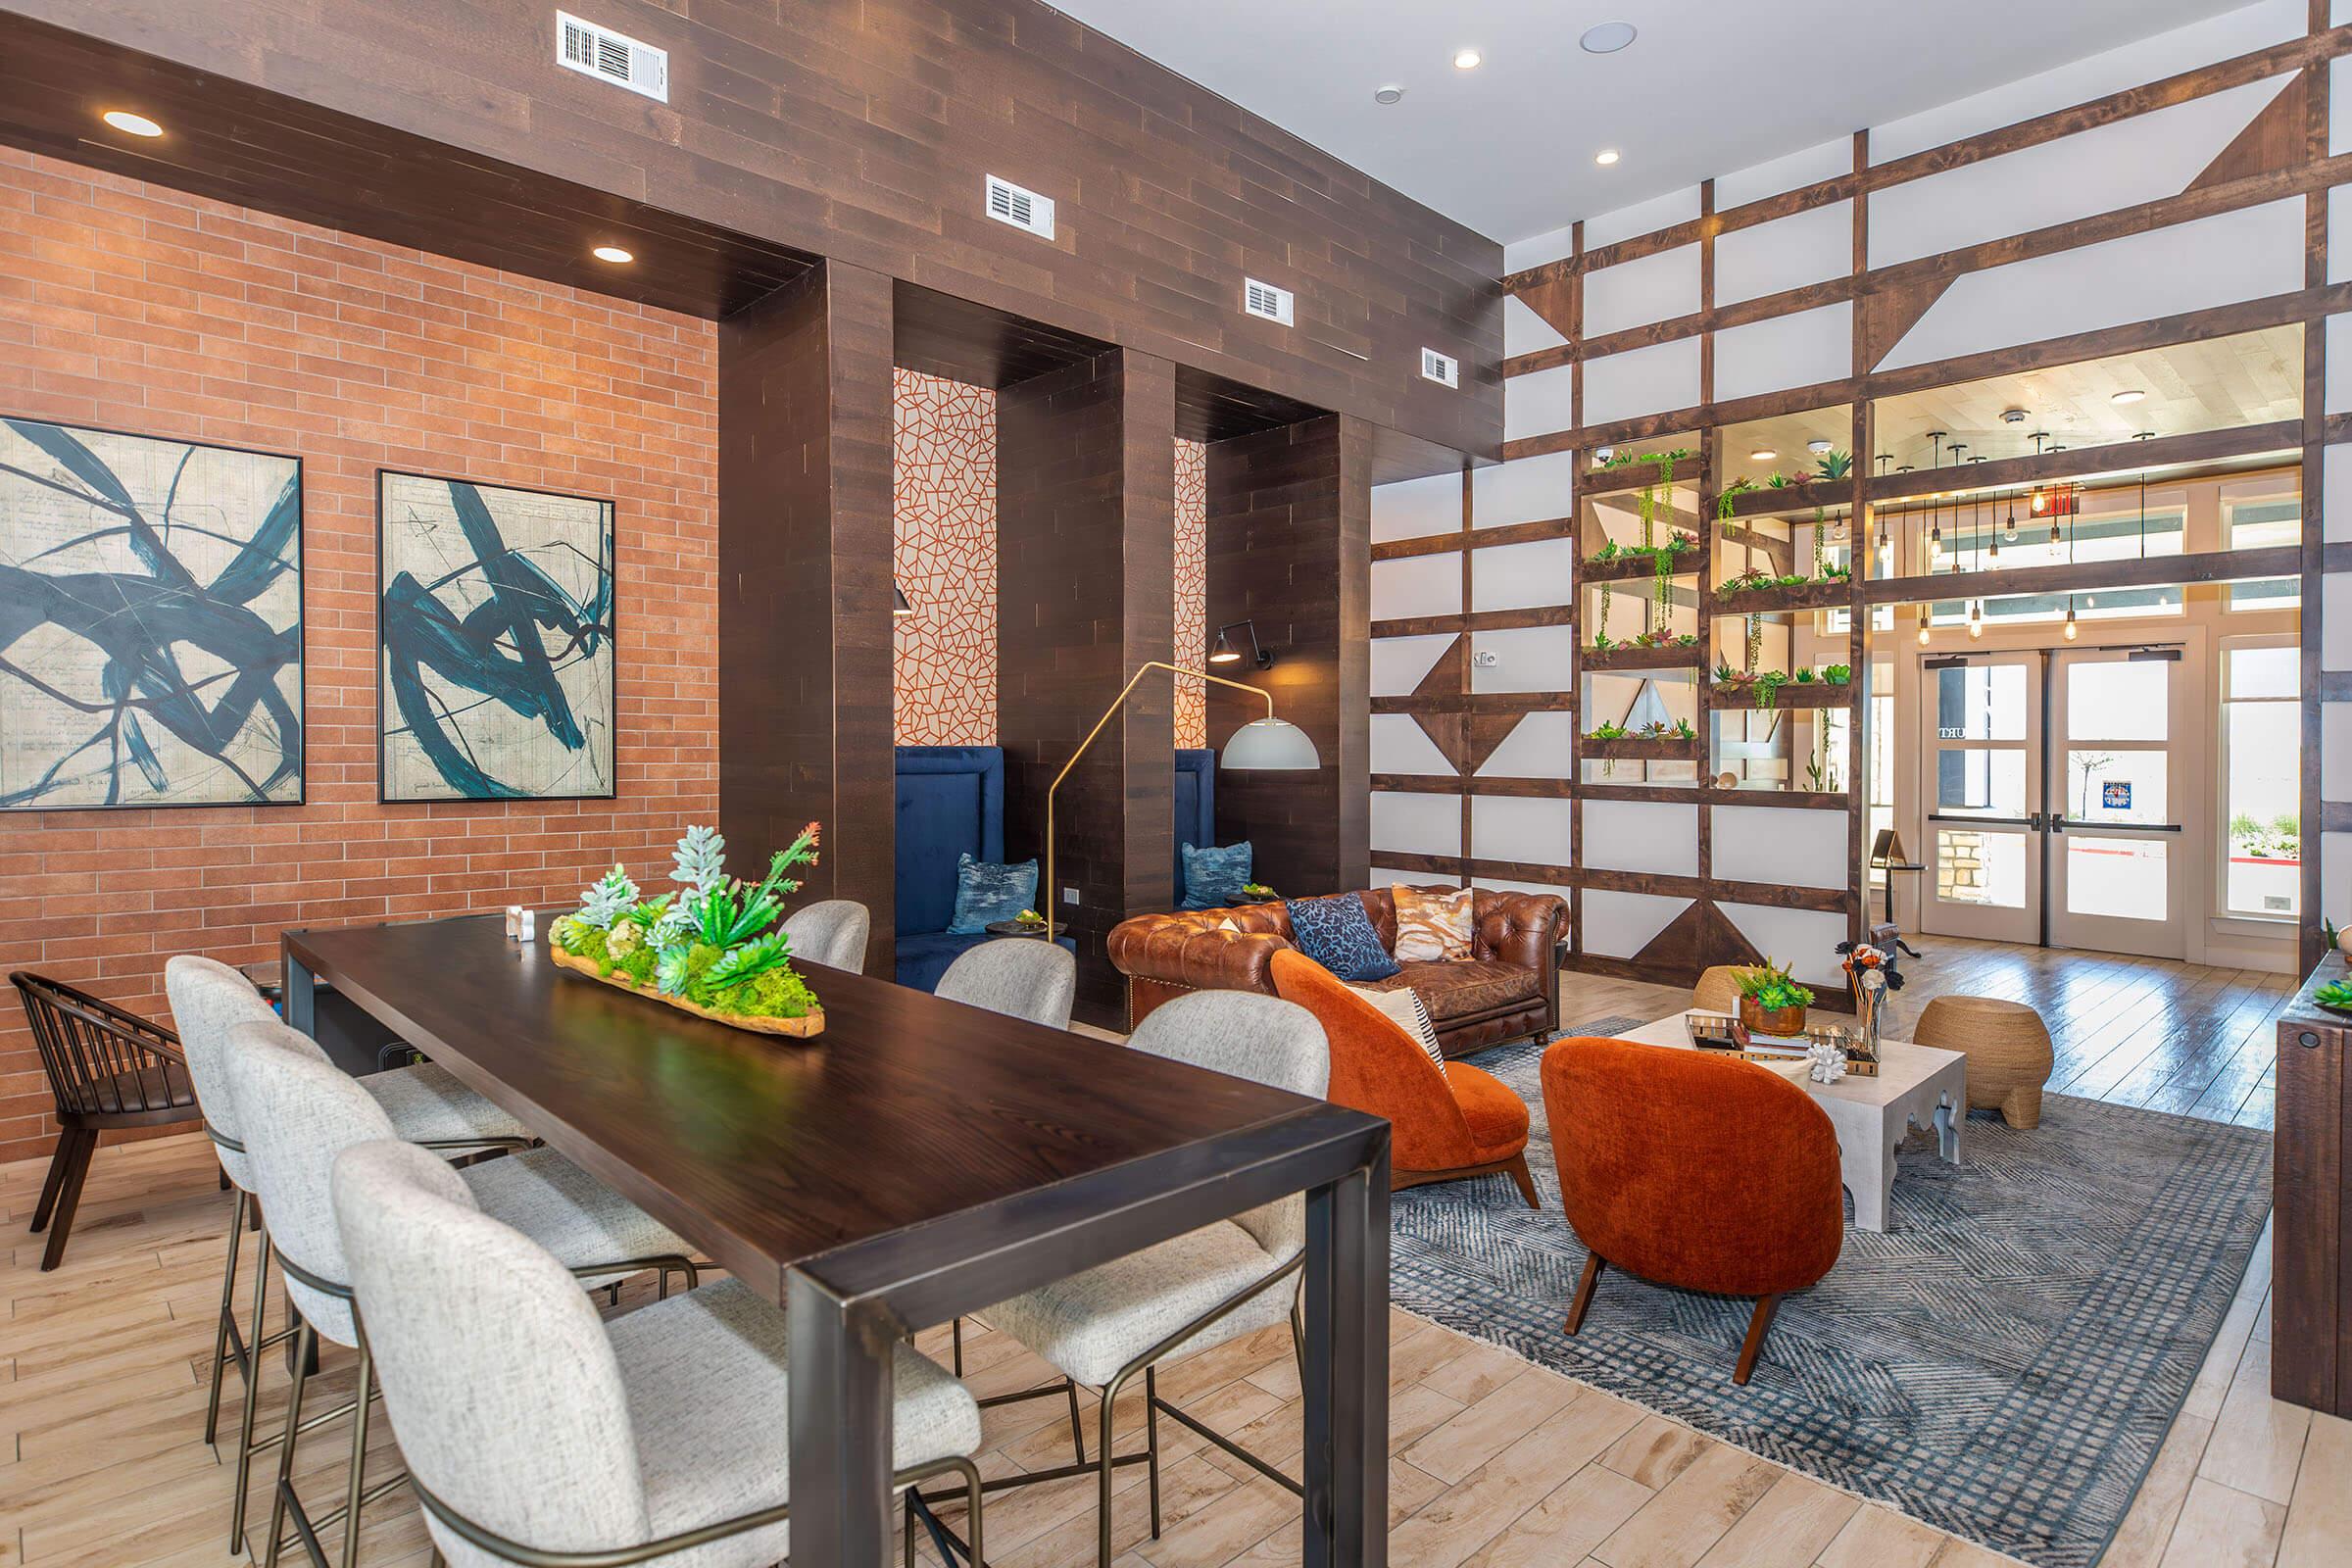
(709, 946)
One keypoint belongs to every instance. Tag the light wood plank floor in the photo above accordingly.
(1494, 1463)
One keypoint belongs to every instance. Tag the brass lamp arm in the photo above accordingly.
(1053, 894)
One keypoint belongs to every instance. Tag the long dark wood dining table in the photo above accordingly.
(917, 1160)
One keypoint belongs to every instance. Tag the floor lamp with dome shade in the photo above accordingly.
(1263, 745)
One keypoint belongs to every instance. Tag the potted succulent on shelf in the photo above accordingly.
(1771, 1003)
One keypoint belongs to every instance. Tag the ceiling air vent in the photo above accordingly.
(1008, 203)
(1266, 300)
(611, 57)
(1440, 369)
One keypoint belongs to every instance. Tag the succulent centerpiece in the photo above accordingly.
(710, 948)
(1771, 1003)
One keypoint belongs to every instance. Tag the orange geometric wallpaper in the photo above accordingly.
(944, 552)
(1192, 590)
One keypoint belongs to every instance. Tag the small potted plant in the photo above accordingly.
(1030, 918)
(1771, 1003)
(1257, 893)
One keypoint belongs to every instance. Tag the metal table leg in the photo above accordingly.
(842, 1510)
(1346, 1387)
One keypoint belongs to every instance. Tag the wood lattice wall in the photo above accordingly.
(2282, 155)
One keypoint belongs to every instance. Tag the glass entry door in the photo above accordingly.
(2118, 860)
(2062, 827)
(1983, 778)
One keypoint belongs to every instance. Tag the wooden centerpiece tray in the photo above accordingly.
(810, 1023)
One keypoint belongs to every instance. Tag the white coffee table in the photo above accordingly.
(1915, 1084)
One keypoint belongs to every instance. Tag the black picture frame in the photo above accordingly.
(298, 486)
(612, 635)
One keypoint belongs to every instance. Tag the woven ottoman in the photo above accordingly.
(2008, 1051)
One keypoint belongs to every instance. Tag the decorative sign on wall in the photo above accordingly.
(494, 664)
(2116, 795)
(150, 622)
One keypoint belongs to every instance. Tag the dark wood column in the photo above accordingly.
(1086, 475)
(1289, 530)
(804, 572)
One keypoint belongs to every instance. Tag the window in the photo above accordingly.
(2253, 522)
(2111, 526)
(2262, 748)
(1881, 760)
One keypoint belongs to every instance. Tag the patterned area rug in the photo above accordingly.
(2003, 1362)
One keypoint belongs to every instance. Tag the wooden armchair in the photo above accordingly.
(108, 1069)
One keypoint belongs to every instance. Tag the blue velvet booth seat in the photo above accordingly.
(950, 802)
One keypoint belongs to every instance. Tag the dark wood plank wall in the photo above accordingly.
(805, 690)
(1085, 594)
(1290, 522)
(862, 132)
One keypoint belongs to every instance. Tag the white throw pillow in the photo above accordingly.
(1403, 1009)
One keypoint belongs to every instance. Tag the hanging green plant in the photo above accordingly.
(1602, 637)
(1768, 685)
(1730, 493)
(1756, 641)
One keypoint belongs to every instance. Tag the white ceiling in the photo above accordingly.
(1709, 87)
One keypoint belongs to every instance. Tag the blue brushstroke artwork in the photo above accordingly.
(150, 622)
(496, 627)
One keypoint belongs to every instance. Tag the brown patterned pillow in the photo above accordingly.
(1431, 925)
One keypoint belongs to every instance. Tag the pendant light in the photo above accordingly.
(1885, 544)
(1976, 617)
(1935, 510)
(2071, 630)
(1923, 625)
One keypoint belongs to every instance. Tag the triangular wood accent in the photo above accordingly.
(1890, 312)
(1553, 301)
(1693, 940)
(1447, 731)
(2273, 140)
(1482, 733)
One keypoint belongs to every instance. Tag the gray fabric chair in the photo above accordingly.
(1025, 977)
(831, 932)
(425, 1105)
(532, 1425)
(297, 1112)
(1193, 1292)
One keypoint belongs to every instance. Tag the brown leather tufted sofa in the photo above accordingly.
(1505, 990)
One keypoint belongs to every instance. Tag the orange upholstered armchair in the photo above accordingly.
(1446, 1124)
(1701, 1172)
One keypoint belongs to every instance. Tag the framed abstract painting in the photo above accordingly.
(495, 663)
(150, 622)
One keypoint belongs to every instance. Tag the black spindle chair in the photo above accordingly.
(109, 1070)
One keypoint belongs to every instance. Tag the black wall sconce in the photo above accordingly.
(899, 608)
(1224, 650)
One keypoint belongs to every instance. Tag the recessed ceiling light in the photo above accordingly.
(1390, 94)
(1762, 455)
(1606, 157)
(2133, 395)
(1607, 38)
(1818, 447)
(614, 253)
(1466, 59)
(124, 120)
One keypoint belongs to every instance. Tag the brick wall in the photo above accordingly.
(135, 307)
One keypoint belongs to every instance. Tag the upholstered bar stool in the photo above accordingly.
(298, 1112)
(1022, 977)
(536, 1432)
(831, 932)
(425, 1105)
(1106, 1326)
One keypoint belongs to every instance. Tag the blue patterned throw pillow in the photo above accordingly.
(1338, 934)
(1215, 877)
(986, 891)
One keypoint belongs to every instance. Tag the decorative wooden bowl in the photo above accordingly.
(800, 1028)
(1787, 1021)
